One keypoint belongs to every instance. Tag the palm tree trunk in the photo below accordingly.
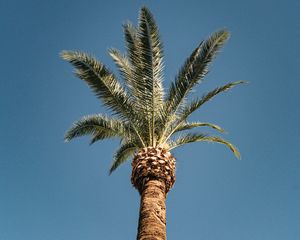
(152, 219)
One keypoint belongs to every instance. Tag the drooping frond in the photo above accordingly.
(184, 139)
(99, 127)
(122, 154)
(190, 138)
(188, 126)
(106, 87)
(101, 81)
(189, 109)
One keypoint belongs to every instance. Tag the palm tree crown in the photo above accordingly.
(144, 113)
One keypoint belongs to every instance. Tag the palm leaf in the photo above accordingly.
(195, 68)
(150, 31)
(99, 126)
(122, 154)
(190, 138)
(187, 126)
(192, 73)
(179, 88)
(124, 66)
(134, 55)
(150, 86)
(193, 106)
(196, 104)
(101, 81)
(106, 87)
(132, 46)
(136, 83)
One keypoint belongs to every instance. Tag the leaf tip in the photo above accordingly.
(110, 171)
(237, 154)
(63, 54)
(243, 82)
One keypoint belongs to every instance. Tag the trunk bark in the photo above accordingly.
(152, 219)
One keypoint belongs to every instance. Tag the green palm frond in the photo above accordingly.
(106, 87)
(188, 126)
(187, 110)
(124, 66)
(190, 138)
(122, 154)
(184, 139)
(151, 54)
(132, 46)
(145, 55)
(196, 104)
(149, 30)
(98, 126)
(101, 81)
(194, 69)
(192, 73)
(182, 84)
(135, 83)
(134, 53)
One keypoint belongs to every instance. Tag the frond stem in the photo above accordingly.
(137, 133)
(170, 134)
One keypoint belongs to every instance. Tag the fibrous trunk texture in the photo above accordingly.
(153, 174)
(152, 219)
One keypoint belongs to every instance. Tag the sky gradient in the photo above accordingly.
(50, 190)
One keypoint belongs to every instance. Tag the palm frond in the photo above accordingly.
(132, 46)
(101, 81)
(190, 138)
(106, 87)
(133, 43)
(192, 73)
(99, 126)
(149, 30)
(184, 139)
(150, 87)
(193, 106)
(124, 66)
(196, 104)
(122, 154)
(137, 44)
(134, 55)
(195, 68)
(179, 88)
(187, 126)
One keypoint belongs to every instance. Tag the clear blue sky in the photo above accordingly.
(50, 190)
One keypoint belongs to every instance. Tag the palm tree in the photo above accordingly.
(149, 120)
